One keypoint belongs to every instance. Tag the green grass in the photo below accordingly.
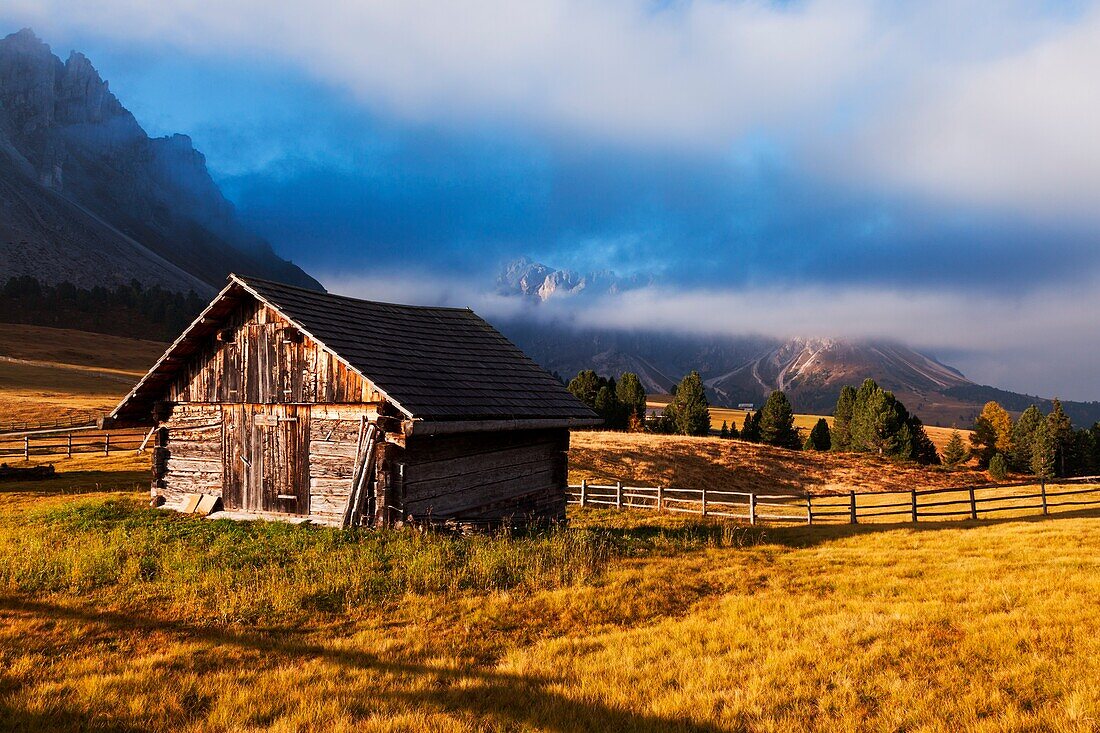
(118, 617)
(253, 572)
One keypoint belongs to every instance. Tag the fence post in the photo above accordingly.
(618, 494)
(914, 506)
(26, 447)
(973, 505)
(809, 510)
(584, 491)
(69, 446)
(704, 507)
(752, 508)
(1043, 493)
(107, 444)
(660, 497)
(852, 505)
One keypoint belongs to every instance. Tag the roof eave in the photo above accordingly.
(445, 427)
(114, 416)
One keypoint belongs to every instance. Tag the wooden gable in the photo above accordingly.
(256, 356)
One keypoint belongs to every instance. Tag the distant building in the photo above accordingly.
(747, 406)
(284, 401)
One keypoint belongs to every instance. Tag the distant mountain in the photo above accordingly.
(812, 371)
(87, 197)
(538, 282)
(740, 369)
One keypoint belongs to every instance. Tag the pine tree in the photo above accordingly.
(1023, 437)
(1084, 453)
(998, 467)
(1042, 451)
(631, 394)
(725, 431)
(691, 412)
(881, 424)
(819, 438)
(733, 430)
(585, 386)
(608, 407)
(751, 430)
(777, 422)
(875, 425)
(955, 451)
(1061, 434)
(992, 433)
(842, 419)
(922, 449)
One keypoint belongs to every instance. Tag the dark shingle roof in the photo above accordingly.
(434, 363)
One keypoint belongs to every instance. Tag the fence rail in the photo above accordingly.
(74, 422)
(69, 442)
(969, 502)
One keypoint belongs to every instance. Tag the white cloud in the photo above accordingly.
(1015, 342)
(1016, 130)
(699, 72)
(982, 100)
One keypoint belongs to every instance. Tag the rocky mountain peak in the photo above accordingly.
(538, 282)
(83, 96)
(91, 199)
(25, 41)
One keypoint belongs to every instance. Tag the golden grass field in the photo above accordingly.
(117, 617)
(733, 465)
(52, 373)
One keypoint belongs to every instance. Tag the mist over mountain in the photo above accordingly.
(538, 282)
(87, 197)
(739, 369)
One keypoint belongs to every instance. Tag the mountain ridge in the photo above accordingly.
(744, 369)
(89, 198)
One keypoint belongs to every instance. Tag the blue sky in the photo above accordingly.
(926, 171)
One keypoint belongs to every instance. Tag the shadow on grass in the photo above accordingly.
(80, 482)
(508, 700)
(736, 534)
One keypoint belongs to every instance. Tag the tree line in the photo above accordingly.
(867, 419)
(1038, 444)
(126, 310)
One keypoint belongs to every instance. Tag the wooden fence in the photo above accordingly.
(71, 422)
(67, 442)
(971, 502)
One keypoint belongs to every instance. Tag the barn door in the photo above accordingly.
(267, 459)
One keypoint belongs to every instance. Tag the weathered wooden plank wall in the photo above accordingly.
(190, 453)
(485, 476)
(334, 440)
(263, 359)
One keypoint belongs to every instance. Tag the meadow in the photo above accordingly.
(119, 617)
(53, 373)
(115, 616)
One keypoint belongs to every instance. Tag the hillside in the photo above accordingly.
(740, 369)
(812, 372)
(733, 465)
(53, 373)
(88, 198)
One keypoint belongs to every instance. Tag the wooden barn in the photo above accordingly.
(286, 402)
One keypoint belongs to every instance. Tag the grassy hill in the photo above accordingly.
(733, 465)
(119, 617)
(115, 616)
(49, 373)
